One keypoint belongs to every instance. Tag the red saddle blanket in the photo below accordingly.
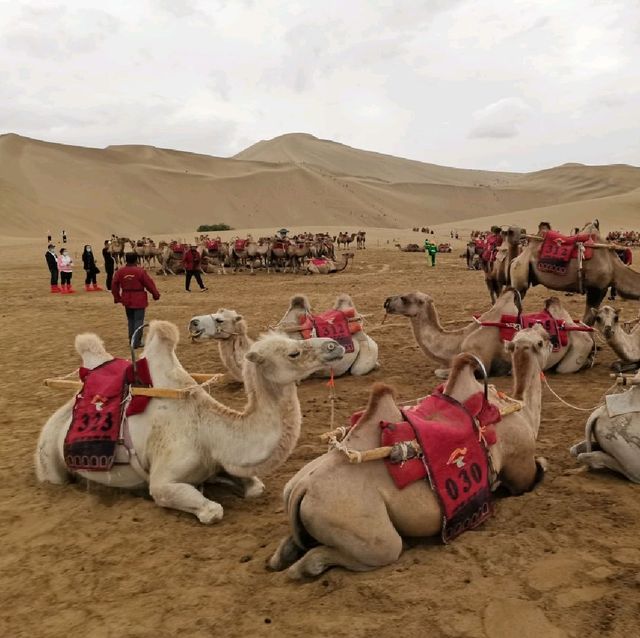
(213, 245)
(319, 261)
(333, 324)
(239, 244)
(453, 438)
(558, 329)
(558, 250)
(90, 442)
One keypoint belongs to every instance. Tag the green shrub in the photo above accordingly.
(203, 228)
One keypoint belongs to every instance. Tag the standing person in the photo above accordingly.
(432, 250)
(191, 262)
(49, 236)
(129, 287)
(64, 237)
(109, 263)
(65, 266)
(52, 262)
(89, 263)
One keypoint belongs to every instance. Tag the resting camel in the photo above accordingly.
(326, 266)
(625, 344)
(410, 248)
(181, 444)
(602, 271)
(361, 361)
(484, 341)
(353, 516)
(229, 329)
(613, 442)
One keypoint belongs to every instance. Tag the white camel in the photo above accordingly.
(612, 435)
(361, 361)
(625, 344)
(354, 516)
(229, 329)
(184, 443)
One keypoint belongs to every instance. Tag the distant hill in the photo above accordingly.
(294, 179)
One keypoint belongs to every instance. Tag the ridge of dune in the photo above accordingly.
(293, 180)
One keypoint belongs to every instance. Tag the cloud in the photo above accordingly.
(500, 120)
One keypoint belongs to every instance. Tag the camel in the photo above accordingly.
(229, 329)
(484, 341)
(116, 248)
(497, 272)
(625, 344)
(361, 361)
(361, 240)
(612, 439)
(297, 252)
(325, 266)
(353, 516)
(146, 250)
(602, 271)
(183, 443)
(410, 248)
(345, 239)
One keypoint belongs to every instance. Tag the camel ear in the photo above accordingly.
(239, 318)
(254, 357)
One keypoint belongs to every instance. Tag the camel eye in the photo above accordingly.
(218, 320)
(294, 355)
(540, 344)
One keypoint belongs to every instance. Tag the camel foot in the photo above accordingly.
(287, 553)
(210, 513)
(253, 487)
(442, 373)
(319, 559)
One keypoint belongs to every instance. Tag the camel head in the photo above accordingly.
(605, 319)
(282, 360)
(531, 344)
(91, 348)
(513, 234)
(222, 324)
(409, 305)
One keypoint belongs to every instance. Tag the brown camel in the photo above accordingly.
(625, 344)
(410, 248)
(354, 516)
(497, 272)
(603, 270)
(324, 266)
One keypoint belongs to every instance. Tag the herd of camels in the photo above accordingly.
(309, 253)
(345, 513)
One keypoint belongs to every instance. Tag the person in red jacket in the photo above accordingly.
(191, 262)
(129, 287)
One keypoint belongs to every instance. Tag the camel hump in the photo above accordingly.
(343, 300)
(89, 343)
(165, 331)
(301, 302)
(381, 397)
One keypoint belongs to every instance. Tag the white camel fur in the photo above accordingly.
(184, 443)
(625, 344)
(353, 515)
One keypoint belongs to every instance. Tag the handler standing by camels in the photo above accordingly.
(109, 264)
(129, 287)
(191, 262)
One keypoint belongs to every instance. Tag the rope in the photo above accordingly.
(570, 405)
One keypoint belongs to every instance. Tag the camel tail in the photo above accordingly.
(89, 343)
(293, 503)
(589, 434)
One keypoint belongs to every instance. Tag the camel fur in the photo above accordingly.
(361, 361)
(353, 516)
(625, 344)
(185, 443)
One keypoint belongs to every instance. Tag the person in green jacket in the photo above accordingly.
(431, 250)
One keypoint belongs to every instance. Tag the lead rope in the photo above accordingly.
(570, 405)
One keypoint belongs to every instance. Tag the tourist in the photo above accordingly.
(432, 250)
(64, 237)
(191, 262)
(89, 263)
(52, 262)
(65, 266)
(109, 263)
(129, 287)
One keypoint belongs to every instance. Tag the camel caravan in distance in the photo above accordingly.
(229, 329)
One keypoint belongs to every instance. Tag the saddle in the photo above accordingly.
(454, 438)
(239, 244)
(100, 411)
(213, 245)
(558, 250)
(338, 325)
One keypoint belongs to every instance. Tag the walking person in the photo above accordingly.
(52, 263)
(65, 266)
(109, 263)
(432, 250)
(89, 263)
(191, 262)
(129, 287)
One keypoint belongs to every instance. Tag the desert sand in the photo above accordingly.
(561, 561)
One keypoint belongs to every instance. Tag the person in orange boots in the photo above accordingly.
(89, 263)
(52, 263)
(65, 266)
(129, 287)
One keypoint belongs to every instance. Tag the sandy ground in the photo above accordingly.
(563, 560)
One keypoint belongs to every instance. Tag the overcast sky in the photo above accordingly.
(496, 84)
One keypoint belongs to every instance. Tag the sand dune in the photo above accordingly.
(294, 179)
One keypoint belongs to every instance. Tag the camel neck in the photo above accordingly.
(527, 387)
(626, 344)
(433, 339)
(232, 353)
(627, 280)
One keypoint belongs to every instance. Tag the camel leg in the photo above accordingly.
(522, 475)
(319, 559)
(186, 498)
(287, 553)
(50, 465)
(250, 487)
(594, 299)
(599, 460)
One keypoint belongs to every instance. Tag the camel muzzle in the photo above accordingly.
(607, 331)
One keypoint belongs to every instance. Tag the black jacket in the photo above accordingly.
(109, 261)
(52, 261)
(89, 262)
